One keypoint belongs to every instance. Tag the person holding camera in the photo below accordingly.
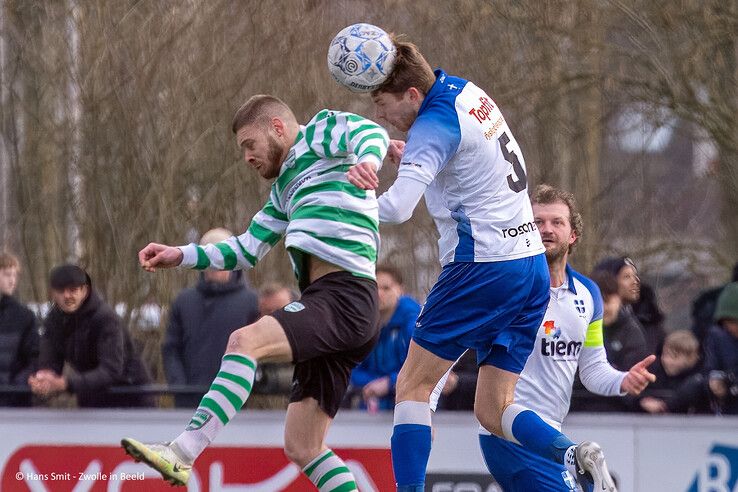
(721, 352)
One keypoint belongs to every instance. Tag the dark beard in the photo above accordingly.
(274, 156)
(557, 253)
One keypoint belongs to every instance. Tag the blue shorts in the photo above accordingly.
(494, 308)
(518, 470)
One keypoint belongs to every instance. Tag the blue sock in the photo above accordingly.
(411, 445)
(525, 427)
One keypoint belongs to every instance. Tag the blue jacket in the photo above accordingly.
(391, 350)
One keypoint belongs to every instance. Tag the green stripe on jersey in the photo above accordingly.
(263, 234)
(364, 128)
(202, 259)
(358, 248)
(229, 256)
(301, 164)
(249, 257)
(372, 149)
(337, 215)
(341, 186)
(327, 137)
(272, 211)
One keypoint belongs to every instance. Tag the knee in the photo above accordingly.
(490, 419)
(239, 342)
(299, 453)
(406, 389)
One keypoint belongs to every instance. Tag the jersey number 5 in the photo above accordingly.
(520, 181)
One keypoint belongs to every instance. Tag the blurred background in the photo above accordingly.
(115, 120)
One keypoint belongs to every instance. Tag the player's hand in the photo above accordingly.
(156, 255)
(363, 175)
(653, 405)
(638, 377)
(395, 151)
(378, 388)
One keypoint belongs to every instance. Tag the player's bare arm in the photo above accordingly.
(156, 255)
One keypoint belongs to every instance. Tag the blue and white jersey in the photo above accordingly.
(570, 337)
(461, 147)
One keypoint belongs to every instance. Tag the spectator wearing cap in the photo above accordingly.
(638, 299)
(18, 334)
(84, 332)
(703, 309)
(721, 351)
(200, 322)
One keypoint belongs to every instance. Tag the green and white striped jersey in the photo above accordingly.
(312, 204)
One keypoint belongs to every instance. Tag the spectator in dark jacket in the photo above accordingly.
(703, 309)
(679, 386)
(649, 315)
(624, 340)
(201, 320)
(721, 351)
(84, 332)
(637, 299)
(375, 378)
(18, 335)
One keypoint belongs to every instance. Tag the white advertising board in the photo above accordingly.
(76, 451)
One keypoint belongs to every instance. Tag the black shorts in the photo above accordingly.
(331, 329)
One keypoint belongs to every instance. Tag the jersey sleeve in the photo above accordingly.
(596, 373)
(240, 252)
(594, 330)
(432, 140)
(340, 134)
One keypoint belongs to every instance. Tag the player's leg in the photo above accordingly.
(305, 429)
(411, 437)
(262, 340)
(327, 347)
(458, 305)
(517, 469)
(494, 404)
(496, 411)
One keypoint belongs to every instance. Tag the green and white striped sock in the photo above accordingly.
(330, 474)
(226, 396)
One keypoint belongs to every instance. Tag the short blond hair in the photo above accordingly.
(260, 109)
(682, 342)
(8, 260)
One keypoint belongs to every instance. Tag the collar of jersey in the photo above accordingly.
(570, 279)
(437, 86)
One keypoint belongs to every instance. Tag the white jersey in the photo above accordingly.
(570, 337)
(461, 147)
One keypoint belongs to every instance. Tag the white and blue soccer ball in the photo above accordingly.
(361, 57)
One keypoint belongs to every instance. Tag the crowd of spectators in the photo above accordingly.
(82, 349)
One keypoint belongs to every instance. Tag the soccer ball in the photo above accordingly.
(361, 57)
